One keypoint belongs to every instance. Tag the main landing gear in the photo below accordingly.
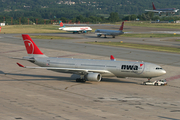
(82, 79)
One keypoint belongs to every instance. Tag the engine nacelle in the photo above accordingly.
(93, 77)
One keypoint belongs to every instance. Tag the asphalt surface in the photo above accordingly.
(46, 95)
(78, 45)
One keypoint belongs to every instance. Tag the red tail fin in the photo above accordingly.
(122, 25)
(112, 58)
(30, 45)
(153, 6)
(61, 24)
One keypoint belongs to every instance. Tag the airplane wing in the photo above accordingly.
(68, 70)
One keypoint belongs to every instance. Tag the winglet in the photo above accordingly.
(122, 25)
(20, 65)
(154, 8)
(112, 58)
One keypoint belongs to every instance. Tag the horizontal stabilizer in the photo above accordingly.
(20, 65)
(28, 58)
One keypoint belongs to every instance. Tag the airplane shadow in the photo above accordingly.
(48, 77)
(72, 78)
(117, 80)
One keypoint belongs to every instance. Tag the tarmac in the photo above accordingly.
(46, 95)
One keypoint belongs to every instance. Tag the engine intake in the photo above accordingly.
(93, 77)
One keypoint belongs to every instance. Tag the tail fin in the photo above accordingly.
(154, 8)
(61, 24)
(121, 27)
(112, 58)
(31, 47)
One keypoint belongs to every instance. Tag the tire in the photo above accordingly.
(77, 80)
(83, 80)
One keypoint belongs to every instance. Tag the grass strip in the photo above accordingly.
(154, 25)
(139, 46)
(150, 35)
(29, 29)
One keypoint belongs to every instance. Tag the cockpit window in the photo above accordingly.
(158, 68)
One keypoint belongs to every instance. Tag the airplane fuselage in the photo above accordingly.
(108, 32)
(114, 68)
(75, 29)
(167, 10)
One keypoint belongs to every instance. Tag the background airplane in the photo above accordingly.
(91, 70)
(74, 29)
(113, 33)
(164, 10)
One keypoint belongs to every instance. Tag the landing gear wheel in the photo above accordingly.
(144, 83)
(80, 80)
(83, 80)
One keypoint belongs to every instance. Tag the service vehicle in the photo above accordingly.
(156, 83)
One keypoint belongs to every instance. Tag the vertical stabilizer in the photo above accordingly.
(112, 58)
(154, 8)
(31, 47)
(61, 24)
(121, 27)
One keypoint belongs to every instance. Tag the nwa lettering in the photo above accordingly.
(129, 67)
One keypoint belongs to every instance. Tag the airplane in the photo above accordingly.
(164, 10)
(74, 29)
(113, 33)
(89, 69)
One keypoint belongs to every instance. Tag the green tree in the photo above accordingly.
(114, 17)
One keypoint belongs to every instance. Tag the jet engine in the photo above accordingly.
(93, 77)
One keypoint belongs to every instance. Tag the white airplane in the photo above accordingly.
(91, 70)
(113, 33)
(164, 10)
(74, 29)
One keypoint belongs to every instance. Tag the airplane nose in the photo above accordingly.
(163, 72)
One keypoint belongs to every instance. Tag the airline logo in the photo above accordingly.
(129, 67)
(84, 28)
(137, 68)
(29, 46)
(141, 65)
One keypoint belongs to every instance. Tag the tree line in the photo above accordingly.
(48, 9)
(113, 17)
